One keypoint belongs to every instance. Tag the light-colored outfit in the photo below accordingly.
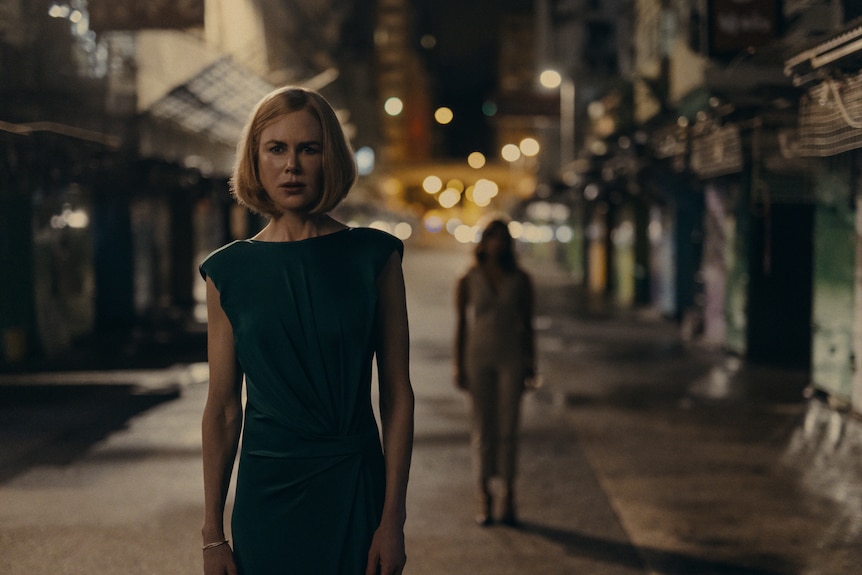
(496, 362)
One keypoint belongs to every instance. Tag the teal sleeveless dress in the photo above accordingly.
(311, 480)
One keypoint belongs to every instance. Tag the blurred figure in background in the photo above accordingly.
(494, 361)
(300, 310)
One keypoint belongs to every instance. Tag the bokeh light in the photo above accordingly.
(476, 160)
(468, 193)
(452, 225)
(529, 147)
(596, 110)
(564, 234)
(392, 187)
(59, 11)
(393, 106)
(466, 234)
(550, 79)
(484, 191)
(381, 225)
(443, 115)
(402, 230)
(433, 221)
(449, 198)
(432, 184)
(516, 229)
(510, 152)
(364, 160)
(456, 184)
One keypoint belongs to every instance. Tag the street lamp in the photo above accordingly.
(552, 79)
(511, 153)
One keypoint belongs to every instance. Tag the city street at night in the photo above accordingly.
(633, 458)
(681, 179)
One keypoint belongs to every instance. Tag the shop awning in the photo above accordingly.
(830, 113)
(845, 44)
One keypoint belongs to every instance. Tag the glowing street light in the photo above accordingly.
(552, 79)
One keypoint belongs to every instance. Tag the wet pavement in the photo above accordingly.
(713, 465)
(639, 454)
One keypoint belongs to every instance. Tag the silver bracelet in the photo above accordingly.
(214, 544)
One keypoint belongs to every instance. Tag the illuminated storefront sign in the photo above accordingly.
(736, 25)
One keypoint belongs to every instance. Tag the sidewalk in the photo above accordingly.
(569, 527)
(713, 465)
(138, 489)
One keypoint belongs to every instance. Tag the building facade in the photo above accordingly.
(118, 127)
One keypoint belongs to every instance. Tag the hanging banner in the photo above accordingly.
(108, 15)
(829, 117)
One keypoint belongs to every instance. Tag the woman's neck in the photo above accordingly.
(293, 227)
(493, 265)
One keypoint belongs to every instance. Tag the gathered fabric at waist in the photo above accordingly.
(266, 438)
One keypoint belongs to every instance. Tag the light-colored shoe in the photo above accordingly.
(483, 510)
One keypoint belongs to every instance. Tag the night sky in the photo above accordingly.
(463, 64)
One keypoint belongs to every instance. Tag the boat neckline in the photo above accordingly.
(289, 242)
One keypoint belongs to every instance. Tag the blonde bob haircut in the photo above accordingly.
(339, 168)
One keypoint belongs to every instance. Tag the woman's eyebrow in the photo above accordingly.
(305, 143)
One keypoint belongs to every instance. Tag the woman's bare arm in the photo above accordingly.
(396, 414)
(528, 330)
(461, 298)
(221, 425)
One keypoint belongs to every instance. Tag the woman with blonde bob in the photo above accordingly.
(296, 315)
(339, 168)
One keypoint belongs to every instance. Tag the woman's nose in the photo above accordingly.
(291, 163)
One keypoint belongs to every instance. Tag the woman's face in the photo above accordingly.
(290, 161)
(495, 242)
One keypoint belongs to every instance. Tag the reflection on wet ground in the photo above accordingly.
(714, 465)
(825, 451)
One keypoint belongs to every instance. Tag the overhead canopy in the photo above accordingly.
(830, 115)
(214, 103)
(845, 44)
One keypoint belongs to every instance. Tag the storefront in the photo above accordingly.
(830, 139)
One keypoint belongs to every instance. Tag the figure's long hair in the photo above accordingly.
(507, 259)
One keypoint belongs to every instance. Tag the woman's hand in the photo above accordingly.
(386, 555)
(219, 561)
(532, 380)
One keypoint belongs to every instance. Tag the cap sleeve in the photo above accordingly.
(214, 264)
